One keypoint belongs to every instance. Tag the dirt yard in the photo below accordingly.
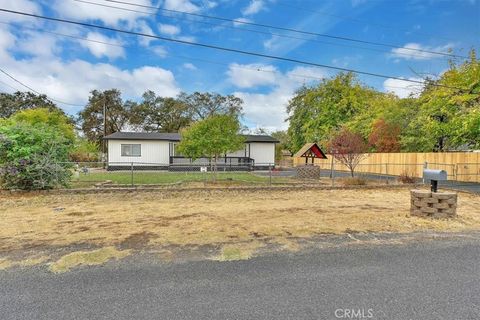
(32, 227)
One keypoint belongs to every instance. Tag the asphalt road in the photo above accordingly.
(426, 280)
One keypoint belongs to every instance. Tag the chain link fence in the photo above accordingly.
(133, 174)
(462, 176)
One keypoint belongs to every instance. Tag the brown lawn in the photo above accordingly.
(155, 220)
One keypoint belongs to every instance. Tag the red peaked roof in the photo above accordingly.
(311, 150)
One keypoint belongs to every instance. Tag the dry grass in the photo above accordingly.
(226, 218)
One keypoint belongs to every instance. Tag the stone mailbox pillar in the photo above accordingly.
(308, 172)
(433, 204)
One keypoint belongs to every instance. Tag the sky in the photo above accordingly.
(54, 58)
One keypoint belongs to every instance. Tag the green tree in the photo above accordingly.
(203, 105)
(91, 117)
(53, 118)
(18, 101)
(385, 136)
(448, 111)
(213, 137)
(285, 143)
(315, 112)
(33, 156)
(159, 114)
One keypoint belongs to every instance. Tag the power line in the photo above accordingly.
(241, 67)
(236, 21)
(11, 87)
(33, 90)
(209, 46)
(413, 54)
(170, 55)
(360, 21)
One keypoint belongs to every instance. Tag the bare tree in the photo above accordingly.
(348, 148)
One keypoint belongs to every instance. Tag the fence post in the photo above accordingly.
(386, 172)
(131, 170)
(332, 174)
(331, 169)
(270, 172)
(425, 166)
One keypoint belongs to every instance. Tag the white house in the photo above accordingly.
(153, 150)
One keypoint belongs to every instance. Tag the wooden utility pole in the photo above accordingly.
(104, 143)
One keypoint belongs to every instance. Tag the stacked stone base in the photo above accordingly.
(308, 172)
(433, 204)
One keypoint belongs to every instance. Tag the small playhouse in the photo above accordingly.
(310, 152)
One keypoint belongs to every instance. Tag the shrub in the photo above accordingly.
(406, 177)
(84, 151)
(357, 181)
(33, 157)
(37, 173)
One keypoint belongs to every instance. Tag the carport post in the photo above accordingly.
(270, 172)
(131, 170)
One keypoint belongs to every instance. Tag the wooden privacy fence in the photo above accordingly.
(460, 166)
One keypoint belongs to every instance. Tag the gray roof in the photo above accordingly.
(175, 136)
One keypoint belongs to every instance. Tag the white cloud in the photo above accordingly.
(168, 29)
(188, 38)
(254, 7)
(267, 110)
(189, 66)
(405, 53)
(38, 44)
(181, 5)
(403, 89)
(142, 27)
(99, 49)
(18, 5)
(210, 4)
(160, 51)
(242, 19)
(250, 75)
(71, 81)
(109, 16)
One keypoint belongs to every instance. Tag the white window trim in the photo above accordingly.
(130, 144)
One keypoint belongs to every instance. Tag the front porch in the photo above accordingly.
(179, 163)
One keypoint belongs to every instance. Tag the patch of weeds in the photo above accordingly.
(28, 262)
(357, 181)
(5, 263)
(233, 252)
(89, 258)
(407, 177)
(287, 244)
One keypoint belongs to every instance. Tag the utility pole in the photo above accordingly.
(104, 146)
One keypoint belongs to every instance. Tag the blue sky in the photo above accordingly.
(67, 68)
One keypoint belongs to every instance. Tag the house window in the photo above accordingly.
(131, 150)
(175, 150)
